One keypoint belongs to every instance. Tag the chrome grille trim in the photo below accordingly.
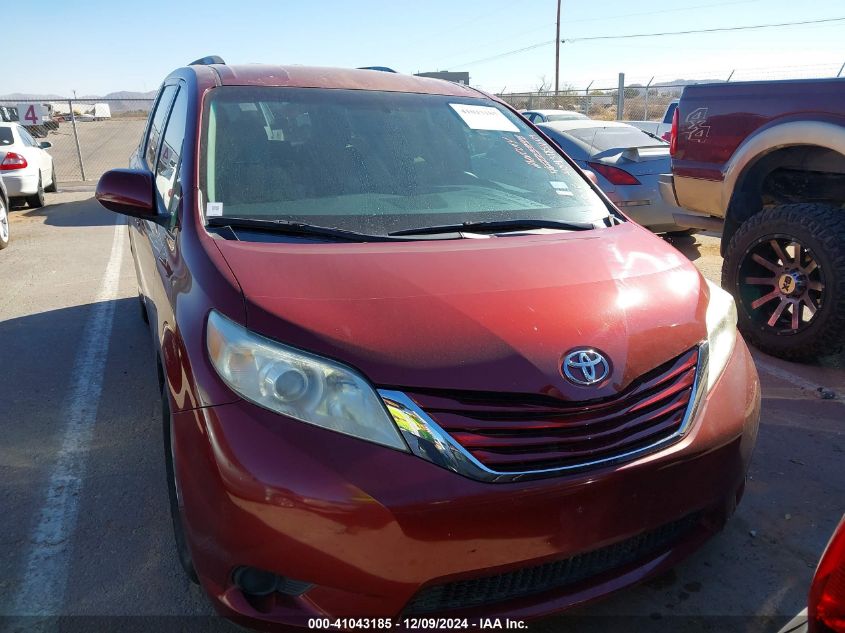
(429, 441)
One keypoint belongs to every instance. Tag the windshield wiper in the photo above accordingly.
(294, 228)
(497, 225)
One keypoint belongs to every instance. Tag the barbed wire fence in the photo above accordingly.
(648, 100)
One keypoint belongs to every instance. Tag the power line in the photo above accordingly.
(570, 40)
(603, 19)
(439, 62)
(506, 54)
(716, 30)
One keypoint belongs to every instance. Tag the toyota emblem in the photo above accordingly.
(585, 366)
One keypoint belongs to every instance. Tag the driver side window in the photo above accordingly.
(160, 116)
(170, 157)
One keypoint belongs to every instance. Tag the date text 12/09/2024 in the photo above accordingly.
(413, 624)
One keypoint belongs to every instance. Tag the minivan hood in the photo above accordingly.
(495, 314)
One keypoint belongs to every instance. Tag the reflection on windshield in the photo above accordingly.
(377, 162)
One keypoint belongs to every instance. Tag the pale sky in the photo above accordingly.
(100, 46)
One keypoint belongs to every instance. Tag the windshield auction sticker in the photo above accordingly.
(213, 209)
(483, 118)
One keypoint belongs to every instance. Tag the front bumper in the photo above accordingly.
(371, 527)
(18, 185)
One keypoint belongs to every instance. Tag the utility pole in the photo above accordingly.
(557, 51)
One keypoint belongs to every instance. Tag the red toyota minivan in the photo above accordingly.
(412, 361)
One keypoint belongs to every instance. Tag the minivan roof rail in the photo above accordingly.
(383, 69)
(207, 60)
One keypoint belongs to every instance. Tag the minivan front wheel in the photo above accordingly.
(182, 549)
(786, 269)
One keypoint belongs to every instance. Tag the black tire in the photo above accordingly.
(182, 550)
(811, 284)
(54, 186)
(36, 200)
(5, 235)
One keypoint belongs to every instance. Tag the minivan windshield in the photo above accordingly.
(380, 162)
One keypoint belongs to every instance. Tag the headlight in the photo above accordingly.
(297, 384)
(721, 331)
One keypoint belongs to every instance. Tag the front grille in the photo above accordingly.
(511, 433)
(528, 581)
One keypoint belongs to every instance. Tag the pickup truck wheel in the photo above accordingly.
(785, 267)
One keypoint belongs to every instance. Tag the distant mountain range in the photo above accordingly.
(121, 94)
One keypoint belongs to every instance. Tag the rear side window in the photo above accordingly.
(167, 169)
(160, 116)
(6, 137)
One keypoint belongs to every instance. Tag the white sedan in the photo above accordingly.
(27, 170)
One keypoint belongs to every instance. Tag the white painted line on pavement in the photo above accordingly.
(42, 587)
(795, 379)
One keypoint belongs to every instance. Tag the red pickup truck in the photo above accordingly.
(765, 162)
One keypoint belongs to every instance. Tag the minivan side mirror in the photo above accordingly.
(45, 145)
(130, 192)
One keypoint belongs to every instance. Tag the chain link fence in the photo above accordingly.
(638, 103)
(88, 137)
(599, 104)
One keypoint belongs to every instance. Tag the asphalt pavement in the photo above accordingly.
(84, 525)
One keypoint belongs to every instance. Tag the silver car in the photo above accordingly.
(627, 163)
